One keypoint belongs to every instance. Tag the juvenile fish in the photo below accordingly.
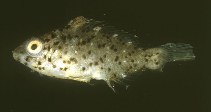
(87, 49)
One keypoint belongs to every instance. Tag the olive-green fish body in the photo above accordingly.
(86, 49)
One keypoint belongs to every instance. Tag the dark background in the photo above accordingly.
(181, 87)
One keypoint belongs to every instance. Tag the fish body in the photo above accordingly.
(87, 49)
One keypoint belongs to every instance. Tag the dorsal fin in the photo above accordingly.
(82, 25)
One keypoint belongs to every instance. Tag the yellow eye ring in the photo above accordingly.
(34, 46)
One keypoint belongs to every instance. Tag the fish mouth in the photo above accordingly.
(17, 53)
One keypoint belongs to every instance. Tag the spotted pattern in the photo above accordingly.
(86, 49)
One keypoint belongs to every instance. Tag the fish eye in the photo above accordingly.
(34, 46)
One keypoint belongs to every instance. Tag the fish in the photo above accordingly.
(87, 49)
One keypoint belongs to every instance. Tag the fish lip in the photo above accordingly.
(17, 52)
(15, 55)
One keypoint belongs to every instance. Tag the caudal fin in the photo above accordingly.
(179, 52)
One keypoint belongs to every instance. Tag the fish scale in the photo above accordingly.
(87, 49)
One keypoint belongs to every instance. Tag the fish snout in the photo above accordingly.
(17, 53)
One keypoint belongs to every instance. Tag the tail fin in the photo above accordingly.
(179, 52)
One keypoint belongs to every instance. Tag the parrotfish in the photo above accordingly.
(87, 49)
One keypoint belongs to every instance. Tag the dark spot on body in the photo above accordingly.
(56, 43)
(53, 35)
(103, 45)
(130, 67)
(43, 68)
(84, 56)
(156, 63)
(76, 36)
(135, 65)
(49, 59)
(83, 42)
(39, 63)
(60, 47)
(120, 63)
(27, 58)
(74, 60)
(83, 68)
(65, 52)
(101, 60)
(96, 63)
(115, 50)
(89, 40)
(44, 56)
(61, 68)
(112, 47)
(104, 55)
(64, 61)
(99, 46)
(109, 69)
(101, 68)
(90, 64)
(46, 39)
(129, 54)
(93, 36)
(114, 75)
(116, 58)
(54, 66)
(44, 48)
(49, 48)
(89, 52)
(68, 62)
(65, 69)
(39, 68)
(132, 60)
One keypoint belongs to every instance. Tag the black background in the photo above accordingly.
(181, 87)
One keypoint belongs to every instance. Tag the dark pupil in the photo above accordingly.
(34, 46)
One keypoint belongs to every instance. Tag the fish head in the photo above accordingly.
(30, 52)
(45, 55)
